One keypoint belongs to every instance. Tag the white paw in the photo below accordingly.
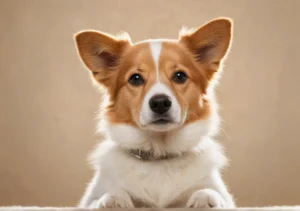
(206, 198)
(113, 201)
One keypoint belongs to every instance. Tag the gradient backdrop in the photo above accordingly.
(48, 105)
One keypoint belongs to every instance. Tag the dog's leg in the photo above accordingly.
(96, 197)
(114, 199)
(215, 194)
(92, 193)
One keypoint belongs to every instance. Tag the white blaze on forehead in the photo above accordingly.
(155, 46)
(146, 114)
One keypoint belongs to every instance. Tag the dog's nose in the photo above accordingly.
(160, 104)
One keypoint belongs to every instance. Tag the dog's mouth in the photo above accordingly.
(161, 121)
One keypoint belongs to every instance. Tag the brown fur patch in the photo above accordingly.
(125, 103)
(175, 57)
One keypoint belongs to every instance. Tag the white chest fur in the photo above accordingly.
(156, 183)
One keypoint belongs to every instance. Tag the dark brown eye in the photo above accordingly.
(179, 77)
(136, 80)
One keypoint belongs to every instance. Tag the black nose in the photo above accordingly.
(160, 104)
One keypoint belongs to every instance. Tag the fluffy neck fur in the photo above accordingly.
(176, 141)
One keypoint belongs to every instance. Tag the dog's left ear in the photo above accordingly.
(101, 53)
(210, 43)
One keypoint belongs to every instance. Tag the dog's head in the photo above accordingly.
(157, 85)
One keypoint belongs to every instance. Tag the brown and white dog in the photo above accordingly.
(159, 119)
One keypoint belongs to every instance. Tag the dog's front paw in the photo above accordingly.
(206, 198)
(119, 200)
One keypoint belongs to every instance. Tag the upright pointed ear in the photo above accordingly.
(209, 44)
(101, 53)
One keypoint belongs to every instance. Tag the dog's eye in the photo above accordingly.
(136, 80)
(179, 77)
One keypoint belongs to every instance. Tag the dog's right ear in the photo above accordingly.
(101, 52)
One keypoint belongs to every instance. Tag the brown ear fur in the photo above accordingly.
(209, 43)
(101, 53)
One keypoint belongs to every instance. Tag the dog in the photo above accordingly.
(159, 119)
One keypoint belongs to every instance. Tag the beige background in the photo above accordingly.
(48, 105)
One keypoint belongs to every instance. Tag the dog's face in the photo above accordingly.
(157, 85)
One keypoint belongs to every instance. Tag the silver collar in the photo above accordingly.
(150, 156)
